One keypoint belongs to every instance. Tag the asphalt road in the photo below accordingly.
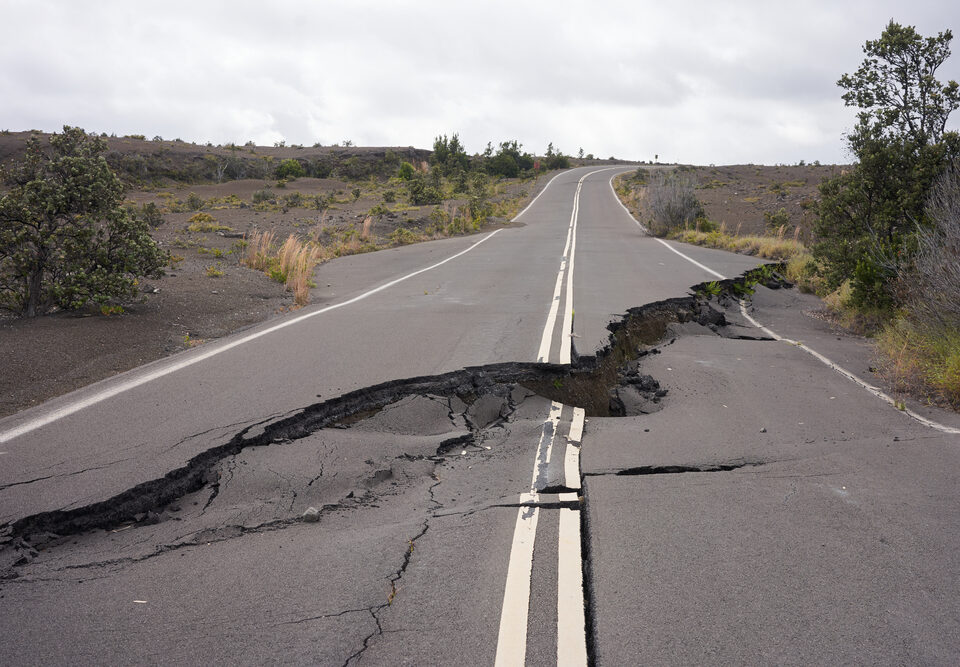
(767, 509)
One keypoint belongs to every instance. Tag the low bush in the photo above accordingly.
(421, 192)
(263, 195)
(406, 171)
(194, 202)
(290, 169)
(204, 222)
(672, 202)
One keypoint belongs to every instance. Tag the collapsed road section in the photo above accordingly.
(410, 472)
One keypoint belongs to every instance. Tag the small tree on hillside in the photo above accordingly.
(65, 237)
(290, 169)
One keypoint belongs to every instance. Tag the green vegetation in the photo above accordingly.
(290, 169)
(215, 270)
(889, 229)
(869, 216)
(203, 223)
(65, 237)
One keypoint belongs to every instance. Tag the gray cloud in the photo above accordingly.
(695, 81)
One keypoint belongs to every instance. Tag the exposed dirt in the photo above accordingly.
(739, 195)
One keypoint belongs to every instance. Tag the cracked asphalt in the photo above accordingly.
(352, 488)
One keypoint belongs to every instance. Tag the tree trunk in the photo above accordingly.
(34, 287)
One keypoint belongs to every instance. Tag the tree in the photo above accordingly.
(290, 169)
(868, 216)
(896, 88)
(555, 159)
(508, 162)
(449, 155)
(65, 237)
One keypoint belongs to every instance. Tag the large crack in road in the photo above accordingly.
(323, 457)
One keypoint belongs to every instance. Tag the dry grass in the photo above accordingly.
(259, 250)
(922, 361)
(771, 247)
(292, 263)
(801, 269)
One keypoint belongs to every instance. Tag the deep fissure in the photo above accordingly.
(606, 384)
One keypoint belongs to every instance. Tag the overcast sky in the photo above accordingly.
(696, 82)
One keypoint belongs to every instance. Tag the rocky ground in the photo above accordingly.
(738, 196)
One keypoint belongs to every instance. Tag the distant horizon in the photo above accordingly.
(616, 158)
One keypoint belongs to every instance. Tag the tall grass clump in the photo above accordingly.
(292, 263)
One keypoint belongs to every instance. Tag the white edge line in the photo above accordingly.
(850, 376)
(691, 260)
(534, 200)
(571, 620)
(847, 374)
(98, 397)
(876, 391)
(623, 206)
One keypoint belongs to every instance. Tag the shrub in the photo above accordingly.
(406, 171)
(555, 159)
(402, 236)
(262, 195)
(421, 192)
(290, 169)
(293, 200)
(671, 201)
(194, 202)
(930, 281)
(148, 213)
(389, 196)
(204, 222)
(774, 221)
(65, 237)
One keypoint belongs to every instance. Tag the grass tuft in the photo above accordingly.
(291, 264)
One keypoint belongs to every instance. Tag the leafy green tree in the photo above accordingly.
(65, 237)
(869, 215)
(555, 159)
(448, 155)
(406, 171)
(290, 169)
(508, 161)
(422, 191)
(896, 88)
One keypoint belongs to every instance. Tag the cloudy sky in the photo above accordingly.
(690, 81)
